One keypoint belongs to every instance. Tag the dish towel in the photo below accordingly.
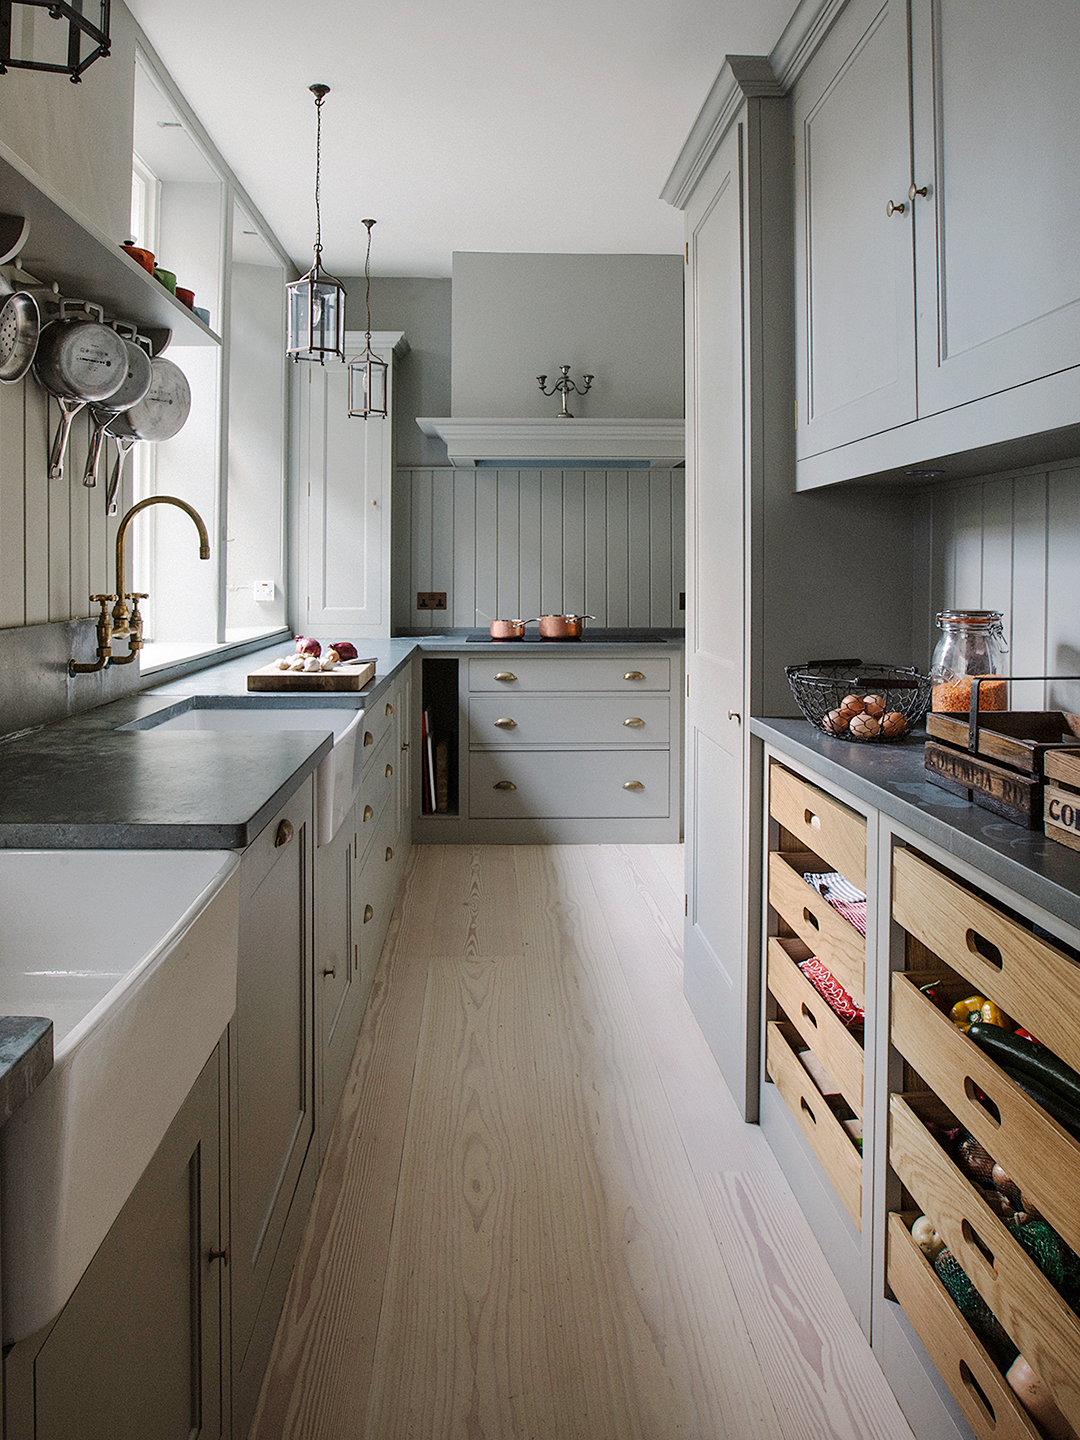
(844, 898)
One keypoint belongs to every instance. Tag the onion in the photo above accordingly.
(307, 646)
(346, 649)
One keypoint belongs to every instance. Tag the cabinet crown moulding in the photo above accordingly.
(618, 443)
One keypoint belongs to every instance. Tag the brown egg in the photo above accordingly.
(874, 704)
(852, 704)
(864, 726)
(894, 723)
(836, 722)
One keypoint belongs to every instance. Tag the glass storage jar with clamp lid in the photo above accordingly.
(971, 645)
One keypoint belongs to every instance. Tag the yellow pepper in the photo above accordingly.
(976, 1009)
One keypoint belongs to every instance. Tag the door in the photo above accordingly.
(715, 951)
(997, 113)
(855, 306)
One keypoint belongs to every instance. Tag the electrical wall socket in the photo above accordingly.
(431, 600)
(264, 591)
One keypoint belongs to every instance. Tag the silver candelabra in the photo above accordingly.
(563, 386)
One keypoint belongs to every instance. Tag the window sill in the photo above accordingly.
(170, 659)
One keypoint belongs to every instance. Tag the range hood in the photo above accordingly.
(620, 444)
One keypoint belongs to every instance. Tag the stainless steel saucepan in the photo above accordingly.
(135, 386)
(159, 415)
(79, 360)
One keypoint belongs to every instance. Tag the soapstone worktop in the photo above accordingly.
(891, 778)
(26, 1057)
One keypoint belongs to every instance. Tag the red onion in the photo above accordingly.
(346, 650)
(307, 646)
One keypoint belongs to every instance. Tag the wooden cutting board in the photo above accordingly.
(353, 675)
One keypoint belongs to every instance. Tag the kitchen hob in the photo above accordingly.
(594, 634)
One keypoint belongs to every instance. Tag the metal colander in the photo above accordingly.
(20, 322)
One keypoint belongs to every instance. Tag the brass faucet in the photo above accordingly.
(123, 621)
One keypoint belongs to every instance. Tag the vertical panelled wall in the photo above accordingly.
(514, 543)
(1010, 542)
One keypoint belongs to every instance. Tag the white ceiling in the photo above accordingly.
(506, 125)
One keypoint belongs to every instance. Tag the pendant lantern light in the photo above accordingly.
(315, 304)
(24, 47)
(367, 373)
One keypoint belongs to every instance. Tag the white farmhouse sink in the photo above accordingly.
(132, 955)
(338, 776)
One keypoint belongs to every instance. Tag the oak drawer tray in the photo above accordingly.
(834, 940)
(825, 1033)
(827, 1138)
(1033, 981)
(1046, 1330)
(1038, 1154)
(980, 1389)
(820, 823)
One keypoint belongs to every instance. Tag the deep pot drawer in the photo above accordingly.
(566, 672)
(568, 720)
(567, 784)
(819, 823)
(827, 1036)
(834, 940)
(378, 721)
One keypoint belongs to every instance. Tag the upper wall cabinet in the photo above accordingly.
(938, 279)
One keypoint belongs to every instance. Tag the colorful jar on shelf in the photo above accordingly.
(971, 646)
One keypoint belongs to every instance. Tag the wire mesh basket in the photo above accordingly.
(860, 702)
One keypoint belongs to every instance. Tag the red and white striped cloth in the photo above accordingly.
(844, 898)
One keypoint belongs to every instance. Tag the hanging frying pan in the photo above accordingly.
(20, 325)
(157, 416)
(79, 360)
(135, 386)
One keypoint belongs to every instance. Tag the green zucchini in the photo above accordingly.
(1057, 1108)
(1013, 1052)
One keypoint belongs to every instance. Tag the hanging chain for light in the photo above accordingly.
(367, 284)
(367, 373)
(315, 311)
(320, 92)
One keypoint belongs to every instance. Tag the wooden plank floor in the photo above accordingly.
(540, 1216)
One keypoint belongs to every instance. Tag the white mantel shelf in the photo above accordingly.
(472, 441)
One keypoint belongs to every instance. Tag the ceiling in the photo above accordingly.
(480, 125)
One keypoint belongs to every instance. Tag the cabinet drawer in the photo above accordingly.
(981, 1391)
(834, 940)
(829, 1038)
(568, 672)
(1030, 978)
(568, 720)
(820, 823)
(563, 784)
(824, 1133)
(1042, 1159)
(377, 789)
(377, 723)
(1046, 1330)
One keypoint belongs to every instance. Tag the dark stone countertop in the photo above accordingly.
(26, 1057)
(891, 778)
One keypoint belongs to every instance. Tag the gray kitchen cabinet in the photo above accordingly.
(136, 1352)
(272, 1086)
(938, 284)
(345, 466)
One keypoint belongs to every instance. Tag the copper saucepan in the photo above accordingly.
(508, 629)
(563, 627)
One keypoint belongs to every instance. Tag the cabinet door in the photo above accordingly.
(997, 113)
(346, 571)
(136, 1352)
(715, 640)
(271, 1056)
(855, 307)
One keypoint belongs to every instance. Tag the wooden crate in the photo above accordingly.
(1061, 798)
(1005, 770)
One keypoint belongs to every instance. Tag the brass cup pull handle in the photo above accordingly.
(389, 708)
(634, 721)
(734, 715)
(368, 738)
(894, 208)
(914, 190)
(222, 1255)
(332, 973)
(633, 785)
(389, 771)
(284, 834)
(505, 675)
(504, 785)
(506, 724)
(633, 675)
(369, 914)
(368, 813)
(389, 853)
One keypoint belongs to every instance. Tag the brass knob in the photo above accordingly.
(733, 715)
(368, 738)
(222, 1255)
(502, 675)
(504, 785)
(284, 833)
(914, 190)
(633, 785)
(633, 675)
(892, 208)
(368, 813)
(389, 771)
(332, 973)
(506, 724)
(389, 853)
(634, 721)
(369, 914)
(389, 708)
(405, 744)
